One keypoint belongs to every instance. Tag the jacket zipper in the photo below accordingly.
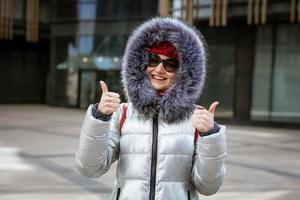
(118, 193)
(154, 157)
(189, 195)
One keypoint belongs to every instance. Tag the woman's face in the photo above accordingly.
(160, 79)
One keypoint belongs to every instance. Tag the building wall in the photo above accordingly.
(253, 68)
(276, 76)
(24, 64)
(87, 43)
(23, 71)
(253, 61)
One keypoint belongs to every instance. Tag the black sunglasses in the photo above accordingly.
(170, 65)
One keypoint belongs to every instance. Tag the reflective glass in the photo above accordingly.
(286, 88)
(220, 70)
(276, 93)
(87, 11)
(262, 74)
(85, 44)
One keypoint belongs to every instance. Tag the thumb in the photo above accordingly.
(213, 106)
(103, 87)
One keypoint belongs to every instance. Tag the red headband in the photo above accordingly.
(164, 48)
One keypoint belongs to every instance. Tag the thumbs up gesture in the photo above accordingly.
(109, 102)
(203, 119)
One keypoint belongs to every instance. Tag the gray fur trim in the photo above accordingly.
(178, 101)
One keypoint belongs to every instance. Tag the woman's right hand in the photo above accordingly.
(109, 101)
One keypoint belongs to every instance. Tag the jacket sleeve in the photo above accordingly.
(209, 162)
(98, 144)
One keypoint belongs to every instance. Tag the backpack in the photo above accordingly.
(124, 109)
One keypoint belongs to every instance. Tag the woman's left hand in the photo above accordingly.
(203, 119)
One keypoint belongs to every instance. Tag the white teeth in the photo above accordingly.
(157, 77)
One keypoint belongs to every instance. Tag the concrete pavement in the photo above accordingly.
(37, 145)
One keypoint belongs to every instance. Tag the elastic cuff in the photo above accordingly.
(215, 129)
(99, 115)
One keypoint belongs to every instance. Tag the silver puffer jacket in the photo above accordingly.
(156, 153)
(180, 167)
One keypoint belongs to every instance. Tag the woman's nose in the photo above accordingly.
(159, 68)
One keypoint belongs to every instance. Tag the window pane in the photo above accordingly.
(262, 74)
(19, 9)
(286, 96)
(65, 9)
(109, 52)
(220, 71)
(87, 88)
(86, 11)
(85, 44)
(125, 8)
(177, 4)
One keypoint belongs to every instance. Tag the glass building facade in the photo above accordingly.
(253, 57)
(276, 77)
(221, 47)
(253, 60)
(88, 44)
(24, 63)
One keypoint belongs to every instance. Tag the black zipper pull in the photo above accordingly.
(157, 105)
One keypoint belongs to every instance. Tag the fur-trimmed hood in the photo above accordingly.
(178, 101)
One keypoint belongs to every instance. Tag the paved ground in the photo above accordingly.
(37, 145)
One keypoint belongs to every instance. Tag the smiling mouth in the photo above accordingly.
(158, 78)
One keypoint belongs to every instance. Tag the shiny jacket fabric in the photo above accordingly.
(155, 149)
(182, 167)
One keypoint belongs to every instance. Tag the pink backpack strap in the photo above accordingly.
(124, 109)
(196, 135)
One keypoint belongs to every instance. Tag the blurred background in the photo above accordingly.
(54, 52)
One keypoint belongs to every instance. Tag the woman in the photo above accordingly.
(159, 153)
